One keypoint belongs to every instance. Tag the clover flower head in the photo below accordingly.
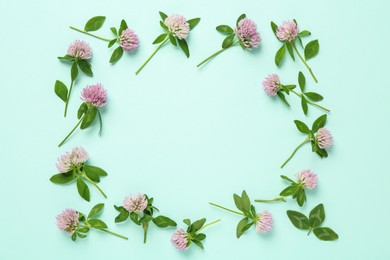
(136, 203)
(271, 84)
(287, 31)
(128, 40)
(308, 179)
(264, 222)
(324, 138)
(247, 31)
(180, 240)
(95, 95)
(68, 220)
(72, 159)
(178, 26)
(80, 49)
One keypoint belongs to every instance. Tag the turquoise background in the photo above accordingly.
(188, 136)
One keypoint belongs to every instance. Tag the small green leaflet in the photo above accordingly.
(228, 41)
(319, 123)
(95, 210)
(116, 55)
(183, 45)
(302, 127)
(243, 16)
(193, 22)
(280, 55)
(162, 222)
(97, 223)
(83, 189)
(95, 23)
(298, 219)
(62, 178)
(61, 90)
(225, 29)
(89, 117)
(311, 49)
(160, 38)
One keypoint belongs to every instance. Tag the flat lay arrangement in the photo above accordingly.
(139, 208)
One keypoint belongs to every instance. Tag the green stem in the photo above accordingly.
(74, 128)
(145, 226)
(210, 57)
(311, 103)
(112, 233)
(310, 230)
(90, 34)
(233, 211)
(209, 224)
(304, 62)
(281, 198)
(101, 122)
(151, 56)
(296, 149)
(68, 97)
(94, 184)
(215, 54)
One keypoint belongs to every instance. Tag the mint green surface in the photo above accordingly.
(187, 136)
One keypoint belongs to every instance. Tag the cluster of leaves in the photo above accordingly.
(313, 223)
(145, 217)
(296, 190)
(60, 89)
(95, 23)
(86, 172)
(244, 205)
(310, 50)
(86, 223)
(87, 114)
(231, 35)
(193, 230)
(162, 38)
(306, 97)
(317, 124)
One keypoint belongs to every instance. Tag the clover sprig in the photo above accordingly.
(234, 38)
(94, 97)
(95, 23)
(249, 214)
(88, 222)
(307, 98)
(319, 137)
(142, 216)
(60, 88)
(82, 173)
(194, 229)
(310, 50)
(176, 36)
(306, 180)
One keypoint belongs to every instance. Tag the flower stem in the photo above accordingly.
(296, 149)
(145, 227)
(210, 57)
(310, 230)
(90, 34)
(215, 54)
(63, 141)
(281, 198)
(94, 184)
(209, 224)
(233, 211)
(115, 234)
(311, 103)
(68, 97)
(151, 56)
(304, 62)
